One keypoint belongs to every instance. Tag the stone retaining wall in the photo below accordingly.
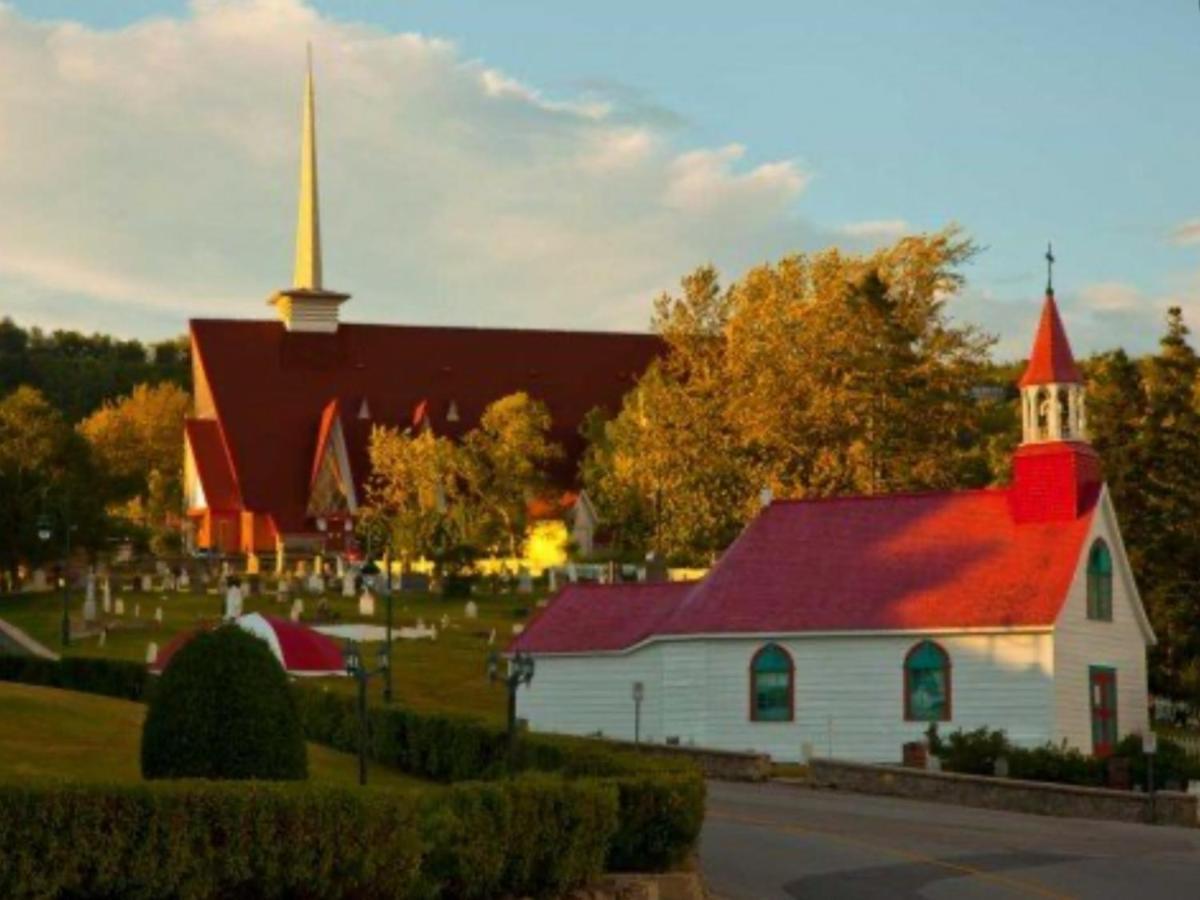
(1042, 798)
(720, 765)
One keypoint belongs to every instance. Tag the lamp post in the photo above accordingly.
(639, 693)
(45, 531)
(356, 669)
(520, 671)
(370, 573)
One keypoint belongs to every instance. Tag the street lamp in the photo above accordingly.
(370, 572)
(639, 693)
(45, 531)
(520, 671)
(356, 669)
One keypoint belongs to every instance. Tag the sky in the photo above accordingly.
(539, 163)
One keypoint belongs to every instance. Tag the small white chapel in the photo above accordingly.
(844, 626)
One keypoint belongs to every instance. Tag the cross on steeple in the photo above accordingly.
(1049, 268)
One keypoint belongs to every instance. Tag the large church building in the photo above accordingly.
(845, 626)
(276, 448)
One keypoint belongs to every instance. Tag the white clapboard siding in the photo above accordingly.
(1080, 642)
(849, 693)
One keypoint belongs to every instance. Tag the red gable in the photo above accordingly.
(269, 388)
(951, 560)
(212, 465)
(1051, 361)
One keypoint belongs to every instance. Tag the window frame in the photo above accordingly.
(1099, 583)
(791, 683)
(948, 668)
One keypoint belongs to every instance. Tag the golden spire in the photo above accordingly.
(307, 274)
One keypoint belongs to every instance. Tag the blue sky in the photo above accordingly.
(1022, 121)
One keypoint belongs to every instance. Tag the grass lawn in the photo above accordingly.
(448, 674)
(49, 733)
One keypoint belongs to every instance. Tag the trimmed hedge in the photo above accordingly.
(107, 677)
(527, 837)
(661, 800)
(223, 710)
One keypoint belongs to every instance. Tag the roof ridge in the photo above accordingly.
(897, 495)
(437, 327)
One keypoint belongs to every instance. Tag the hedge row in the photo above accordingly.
(661, 800)
(532, 836)
(108, 677)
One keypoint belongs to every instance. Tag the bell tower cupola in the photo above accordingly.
(1056, 473)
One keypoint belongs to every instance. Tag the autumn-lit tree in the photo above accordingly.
(138, 443)
(507, 457)
(825, 373)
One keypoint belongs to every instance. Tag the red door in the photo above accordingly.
(1102, 687)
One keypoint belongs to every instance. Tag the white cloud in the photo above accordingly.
(877, 229)
(148, 174)
(1186, 233)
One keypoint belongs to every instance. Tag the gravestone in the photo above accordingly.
(106, 593)
(552, 580)
(517, 628)
(297, 609)
(471, 610)
(366, 604)
(151, 652)
(492, 637)
(572, 573)
(147, 584)
(137, 610)
(37, 581)
(103, 638)
(445, 621)
(340, 566)
(233, 601)
(158, 615)
(316, 583)
(524, 582)
(119, 607)
(89, 601)
(185, 582)
(347, 583)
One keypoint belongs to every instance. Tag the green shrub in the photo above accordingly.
(223, 710)
(973, 752)
(1057, 763)
(660, 820)
(1171, 762)
(108, 677)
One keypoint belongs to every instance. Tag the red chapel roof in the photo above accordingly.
(1051, 361)
(270, 387)
(951, 560)
(212, 464)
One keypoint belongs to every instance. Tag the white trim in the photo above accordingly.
(797, 635)
(1139, 610)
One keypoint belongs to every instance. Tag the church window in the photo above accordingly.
(1099, 582)
(927, 684)
(772, 677)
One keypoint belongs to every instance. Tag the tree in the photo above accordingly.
(822, 374)
(138, 442)
(45, 470)
(506, 459)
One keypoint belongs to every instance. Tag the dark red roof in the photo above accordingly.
(953, 560)
(269, 388)
(304, 650)
(1051, 361)
(212, 465)
(591, 617)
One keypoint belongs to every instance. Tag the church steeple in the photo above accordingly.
(307, 273)
(1056, 473)
(307, 305)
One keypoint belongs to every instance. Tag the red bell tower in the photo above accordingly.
(1056, 473)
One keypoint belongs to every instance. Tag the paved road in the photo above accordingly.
(774, 841)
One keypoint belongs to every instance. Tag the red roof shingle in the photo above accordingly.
(1051, 361)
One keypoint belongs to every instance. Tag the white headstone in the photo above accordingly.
(518, 627)
(158, 615)
(297, 609)
(316, 583)
(89, 609)
(151, 652)
(37, 581)
(492, 637)
(471, 610)
(366, 604)
(137, 610)
(147, 584)
(233, 602)
(107, 595)
(185, 582)
(340, 565)
(552, 579)
(524, 582)
(347, 583)
(103, 638)
(445, 621)
(572, 573)
(89, 590)
(119, 607)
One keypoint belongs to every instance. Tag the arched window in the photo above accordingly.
(927, 684)
(1099, 582)
(771, 685)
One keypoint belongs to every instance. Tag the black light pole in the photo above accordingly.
(361, 674)
(639, 693)
(45, 531)
(520, 671)
(370, 571)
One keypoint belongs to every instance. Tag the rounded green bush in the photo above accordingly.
(223, 710)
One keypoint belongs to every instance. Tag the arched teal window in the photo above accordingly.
(927, 684)
(1099, 582)
(771, 685)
